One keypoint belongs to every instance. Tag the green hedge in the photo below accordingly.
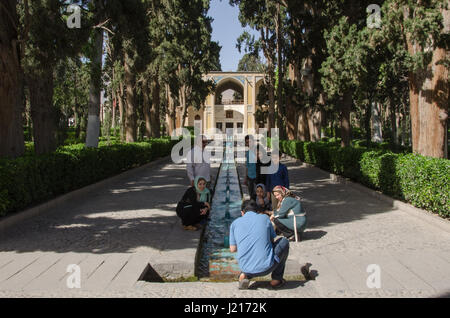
(33, 179)
(421, 181)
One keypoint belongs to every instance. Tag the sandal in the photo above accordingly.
(190, 228)
(243, 284)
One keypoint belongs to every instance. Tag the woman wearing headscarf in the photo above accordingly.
(262, 201)
(289, 216)
(194, 207)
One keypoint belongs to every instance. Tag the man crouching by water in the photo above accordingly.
(252, 237)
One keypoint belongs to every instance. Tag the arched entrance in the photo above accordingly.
(229, 108)
(231, 105)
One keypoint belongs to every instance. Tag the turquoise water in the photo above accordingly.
(216, 261)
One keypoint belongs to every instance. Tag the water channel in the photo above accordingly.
(216, 262)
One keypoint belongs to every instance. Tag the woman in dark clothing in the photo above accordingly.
(195, 205)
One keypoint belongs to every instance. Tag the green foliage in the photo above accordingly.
(32, 179)
(251, 63)
(421, 181)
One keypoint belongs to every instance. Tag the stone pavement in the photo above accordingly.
(120, 227)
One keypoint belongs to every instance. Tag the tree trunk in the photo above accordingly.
(114, 107)
(393, 119)
(155, 121)
(429, 98)
(281, 109)
(171, 112)
(291, 120)
(345, 119)
(93, 128)
(114, 102)
(303, 127)
(367, 117)
(130, 117)
(376, 121)
(146, 107)
(433, 109)
(121, 97)
(183, 111)
(11, 84)
(291, 109)
(271, 93)
(42, 112)
(314, 124)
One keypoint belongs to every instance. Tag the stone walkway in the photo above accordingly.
(120, 227)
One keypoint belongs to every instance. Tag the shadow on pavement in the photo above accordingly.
(290, 284)
(329, 203)
(138, 211)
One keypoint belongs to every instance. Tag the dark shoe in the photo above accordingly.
(279, 285)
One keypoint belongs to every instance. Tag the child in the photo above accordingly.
(262, 200)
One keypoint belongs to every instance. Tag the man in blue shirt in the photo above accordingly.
(251, 236)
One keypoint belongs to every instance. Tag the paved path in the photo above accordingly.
(115, 231)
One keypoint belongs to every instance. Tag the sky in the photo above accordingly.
(226, 30)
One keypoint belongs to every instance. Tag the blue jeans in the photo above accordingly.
(281, 251)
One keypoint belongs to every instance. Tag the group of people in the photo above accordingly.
(272, 210)
(271, 192)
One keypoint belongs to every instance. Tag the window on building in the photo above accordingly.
(219, 126)
(229, 114)
(239, 127)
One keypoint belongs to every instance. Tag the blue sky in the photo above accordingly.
(226, 30)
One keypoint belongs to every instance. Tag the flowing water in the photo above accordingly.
(216, 261)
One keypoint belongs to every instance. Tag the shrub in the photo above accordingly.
(32, 179)
(421, 181)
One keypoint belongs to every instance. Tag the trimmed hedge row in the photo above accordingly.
(33, 179)
(422, 181)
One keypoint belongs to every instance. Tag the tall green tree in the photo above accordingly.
(261, 16)
(11, 83)
(48, 40)
(251, 63)
(188, 53)
(423, 27)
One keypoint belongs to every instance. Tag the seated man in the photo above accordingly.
(252, 237)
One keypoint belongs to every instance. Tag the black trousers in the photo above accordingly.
(190, 215)
(282, 229)
(251, 184)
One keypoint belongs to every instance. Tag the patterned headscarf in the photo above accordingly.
(203, 194)
(284, 193)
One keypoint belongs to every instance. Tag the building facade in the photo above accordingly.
(235, 112)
